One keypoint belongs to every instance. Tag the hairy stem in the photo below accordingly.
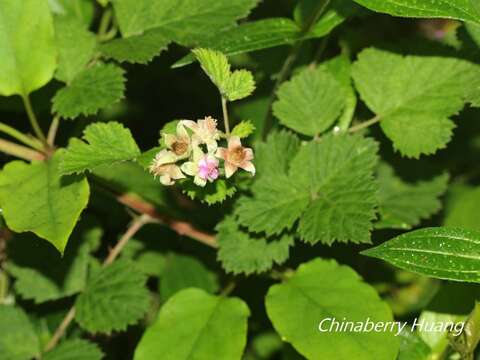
(33, 119)
(25, 139)
(136, 225)
(225, 116)
(20, 151)
(365, 124)
(52, 131)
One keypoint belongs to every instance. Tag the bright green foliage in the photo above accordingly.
(194, 323)
(241, 252)
(273, 156)
(463, 211)
(83, 10)
(243, 129)
(212, 193)
(437, 339)
(474, 31)
(63, 276)
(76, 349)
(234, 85)
(310, 102)
(323, 289)
(139, 49)
(114, 298)
(183, 21)
(396, 198)
(182, 272)
(445, 253)
(76, 46)
(92, 89)
(104, 144)
(19, 340)
(27, 46)
(456, 9)
(412, 347)
(414, 96)
(26, 205)
(149, 260)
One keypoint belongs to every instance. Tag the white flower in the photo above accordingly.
(204, 167)
(163, 166)
(236, 156)
(180, 143)
(204, 132)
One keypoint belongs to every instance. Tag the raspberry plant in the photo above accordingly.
(205, 179)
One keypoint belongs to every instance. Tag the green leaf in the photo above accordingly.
(463, 212)
(437, 339)
(115, 297)
(183, 21)
(105, 144)
(92, 89)
(322, 289)
(19, 340)
(404, 205)
(273, 156)
(139, 49)
(182, 272)
(241, 252)
(76, 46)
(453, 9)
(414, 96)
(41, 274)
(35, 197)
(310, 102)
(212, 193)
(243, 129)
(149, 259)
(27, 46)
(337, 173)
(444, 253)
(75, 349)
(194, 322)
(83, 10)
(240, 85)
(412, 347)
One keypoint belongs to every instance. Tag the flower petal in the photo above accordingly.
(166, 180)
(248, 166)
(229, 169)
(234, 142)
(190, 168)
(199, 181)
(221, 153)
(248, 154)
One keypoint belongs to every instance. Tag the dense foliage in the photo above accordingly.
(210, 179)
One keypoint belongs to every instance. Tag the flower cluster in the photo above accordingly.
(193, 150)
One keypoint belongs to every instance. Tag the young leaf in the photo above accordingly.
(105, 144)
(297, 307)
(92, 89)
(273, 156)
(19, 340)
(212, 193)
(77, 349)
(444, 253)
(404, 205)
(241, 252)
(76, 46)
(27, 46)
(26, 205)
(414, 96)
(412, 347)
(183, 272)
(310, 102)
(243, 129)
(240, 85)
(194, 322)
(115, 297)
(457, 9)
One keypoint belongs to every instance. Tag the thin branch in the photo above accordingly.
(52, 131)
(20, 151)
(365, 124)
(25, 139)
(60, 329)
(33, 119)
(225, 116)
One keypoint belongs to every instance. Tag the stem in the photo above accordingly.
(229, 288)
(131, 231)
(289, 61)
(52, 131)
(27, 140)
(225, 116)
(365, 124)
(33, 119)
(104, 23)
(20, 151)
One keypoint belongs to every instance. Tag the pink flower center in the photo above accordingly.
(208, 169)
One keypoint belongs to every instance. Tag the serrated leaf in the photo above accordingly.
(183, 272)
(444, 253)
(41, 274)
(138, 49)
(19, 340)
(26, 68)
(212, 193)
(338, 174)
(104, 144)
(239, 85)
(92, 89)
(216, 66)
(149, 258)
(297, 306)
(75, 349)
(243, 129)
(183, 21)
(273, 156)
(35, 197)
(310, 102)
(453, 9)
(115, 297)
(403, 205)
(415, 96)
(194, 322)
(241, 252)
(76, 46)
